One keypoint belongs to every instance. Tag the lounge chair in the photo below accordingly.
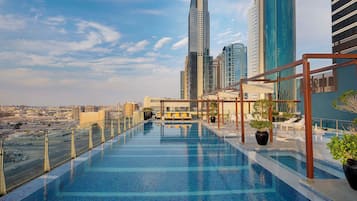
(186, 116)
(280, 124)
(248, 117)
(168, 116)
(298, 124)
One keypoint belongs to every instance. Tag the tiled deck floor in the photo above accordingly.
(329, 189)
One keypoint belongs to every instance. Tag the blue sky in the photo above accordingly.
(63, 52)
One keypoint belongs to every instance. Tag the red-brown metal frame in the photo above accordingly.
(307, 95)
(218, 119)
(236, 104)
(222, 113)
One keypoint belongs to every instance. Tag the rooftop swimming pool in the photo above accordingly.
(159, 162)
(296, 162)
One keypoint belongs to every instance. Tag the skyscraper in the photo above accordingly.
(344, 26)
(198, 47)
(271, 36)
(253, 40)
(182, 84)
(235, 63)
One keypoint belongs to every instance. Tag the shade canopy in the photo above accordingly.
(252, 87)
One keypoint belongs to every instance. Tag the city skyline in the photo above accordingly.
(64, 53)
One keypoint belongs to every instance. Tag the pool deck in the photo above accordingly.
(314, 189)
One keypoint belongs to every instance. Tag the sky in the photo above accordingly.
(103, 52)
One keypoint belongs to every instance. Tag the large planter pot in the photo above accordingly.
(262, 137)
(213, 119)
(350, 169)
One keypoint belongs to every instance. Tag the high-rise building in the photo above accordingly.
(253, 41)
(216, 69)
(328, 86)
(272, 42)
(344, 26)
(198, 47)
(76, 110)
(182, 84)
(209, 84)
(130, 108)
(91, 108)
(185, 84)
(235, 63)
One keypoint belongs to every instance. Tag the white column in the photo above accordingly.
(90, 138)
(2, 175)
(46, 159)
(112, 129)
(73, 145)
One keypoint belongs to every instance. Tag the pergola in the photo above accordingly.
(245, 85)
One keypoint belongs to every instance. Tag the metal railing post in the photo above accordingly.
(73, 145)
(241, 110)
(119, 126)
(308, 120)
(90, 138)
(2, 175)
(102, 134)
(218, 116)
(46, 159)
(124, 128)
(112, 129)
(236, 114)
(270, 118)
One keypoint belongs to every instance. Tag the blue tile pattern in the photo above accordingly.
(160, 162)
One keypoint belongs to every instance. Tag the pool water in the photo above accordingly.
(296, 162)
(167, 162)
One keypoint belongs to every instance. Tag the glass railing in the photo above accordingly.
(335, 125)
(26, 156)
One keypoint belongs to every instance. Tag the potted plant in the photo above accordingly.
(345, 148)
(213, 111)
(261, 120)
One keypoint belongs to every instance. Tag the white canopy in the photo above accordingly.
(253, 87)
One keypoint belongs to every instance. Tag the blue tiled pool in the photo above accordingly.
(296, 162)
(165, 162)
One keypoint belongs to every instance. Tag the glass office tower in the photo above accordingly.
(198, 47)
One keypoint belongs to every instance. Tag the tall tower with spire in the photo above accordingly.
(198, 47)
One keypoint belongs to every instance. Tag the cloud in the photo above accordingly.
(57, 20)
(158, 55)
(107, 34)
(163, 41)
(135, 47)
(12, 23)
(150, 12)
(92, 38)
(180, 44)
(238, 9)
(228, 37)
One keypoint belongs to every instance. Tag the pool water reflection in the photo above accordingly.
(166, 162)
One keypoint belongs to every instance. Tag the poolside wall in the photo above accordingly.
(322, 102)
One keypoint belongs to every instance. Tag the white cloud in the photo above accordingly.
(163, 41)
(107, 34)
(238, 9)
(12, 23)
(94, 36)
(158, 55)
(180, 44)
(150, 12)
(57, 20)
(228, 37)
(135, 47)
